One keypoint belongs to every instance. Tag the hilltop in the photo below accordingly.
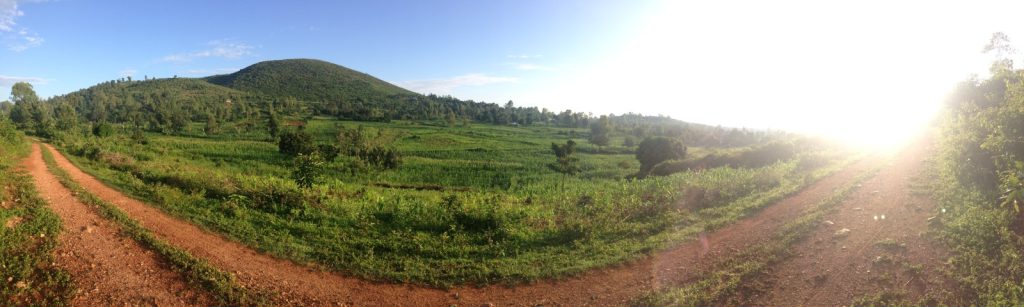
(308, 79)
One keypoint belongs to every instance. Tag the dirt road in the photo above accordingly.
(108, 268)
(298, 284)
(887, 248)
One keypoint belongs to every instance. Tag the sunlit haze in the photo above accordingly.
(870, 72)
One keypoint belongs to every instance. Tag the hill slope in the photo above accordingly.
(307, 79)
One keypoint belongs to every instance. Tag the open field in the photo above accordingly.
(498, 214)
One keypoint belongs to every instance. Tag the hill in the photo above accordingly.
(310, 80)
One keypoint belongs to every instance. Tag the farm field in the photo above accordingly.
(468, 206)
(511, 153)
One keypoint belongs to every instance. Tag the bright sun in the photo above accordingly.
(872, 84)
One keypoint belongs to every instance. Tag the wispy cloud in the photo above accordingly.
(128, 72)
(533, 67)
(523, 56)
(447, 85)
(7, 81)
(18, 39)
(218, 49)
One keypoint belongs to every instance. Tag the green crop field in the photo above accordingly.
(468, 205)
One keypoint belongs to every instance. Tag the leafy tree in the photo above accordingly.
(103, 130)
(658, 149)
(67, 118)
(212, 127)
(273, 123)
(599, 132)
(450, 118)
(25, 105)
(565, 159)
(296, 142)
(307, 169)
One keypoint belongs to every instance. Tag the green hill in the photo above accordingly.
(310, 80)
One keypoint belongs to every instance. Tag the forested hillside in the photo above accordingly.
(245, 101)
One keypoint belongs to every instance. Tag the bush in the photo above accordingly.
(656, 150)
(296, 142)
(103, 130)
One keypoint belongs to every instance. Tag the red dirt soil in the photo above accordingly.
(833, 270)
(299, 284)
(107, 267)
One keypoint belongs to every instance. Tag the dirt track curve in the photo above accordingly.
(297, 284)
(108, 268)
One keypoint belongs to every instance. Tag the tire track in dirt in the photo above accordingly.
(298, 284)
(833, 269)
(107, 267)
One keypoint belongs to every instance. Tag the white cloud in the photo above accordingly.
(9, 12)
(18, 39)
(447, 85)
(128, 72)
(218, 49)
(8, 81)
(533, 67)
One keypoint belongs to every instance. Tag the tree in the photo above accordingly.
(212, 127)
(658, 149)
(307, 168)
(565, 159)
(67, 118)
(25, 105)
(599, 132)
(296, 142)
(273, 123)
(450, 118)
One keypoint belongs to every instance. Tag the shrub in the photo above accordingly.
(103, 130)
(295, 142)
(655, 150)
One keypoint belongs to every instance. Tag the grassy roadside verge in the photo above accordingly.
(730, 275)
(197, 271)
(28, 238)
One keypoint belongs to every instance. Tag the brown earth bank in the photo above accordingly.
(107, 268)
(302, 285)
(887, 248)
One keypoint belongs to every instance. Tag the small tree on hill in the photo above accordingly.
(565, 162)
(659, 149)
(307, 169)
(599, 132)
(296, 142)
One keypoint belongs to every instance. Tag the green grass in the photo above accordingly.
(196, 271)
(27, 271)
(735, 273)
(500, 216)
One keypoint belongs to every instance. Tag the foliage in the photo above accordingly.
(978, 185)
(565, 159)
(296, 142)
(656, 150)
(468, 205)
(103, 130)
(308, 167)
(599, 131)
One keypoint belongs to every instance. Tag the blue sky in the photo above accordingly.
(819, 67)
(483, 50)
